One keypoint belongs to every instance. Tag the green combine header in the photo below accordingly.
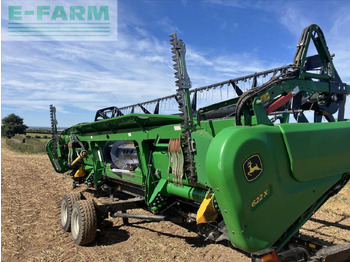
(251, 169)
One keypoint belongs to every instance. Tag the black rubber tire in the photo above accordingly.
(84, 222)
(67, 203)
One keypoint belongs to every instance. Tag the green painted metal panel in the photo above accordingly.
(58, 164)
(161, 163)
(258, 212)
(202, 141)
(127, 121)
(214, 127)
(319, 150)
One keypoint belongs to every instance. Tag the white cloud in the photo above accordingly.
(294, 18)
(168, 26)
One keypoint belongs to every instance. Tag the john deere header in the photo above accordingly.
(251, 169)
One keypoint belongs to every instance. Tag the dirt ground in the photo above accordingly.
(31, 231)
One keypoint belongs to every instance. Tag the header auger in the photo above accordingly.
(239, 168)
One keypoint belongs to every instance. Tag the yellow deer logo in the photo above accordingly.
(252, 168)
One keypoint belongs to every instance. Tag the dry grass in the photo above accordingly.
(31, 196)
(31, 145)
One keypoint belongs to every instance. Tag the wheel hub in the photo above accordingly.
(75, 224)
(64, 213)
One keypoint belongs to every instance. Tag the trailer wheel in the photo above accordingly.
(66, 209)
(84, 222)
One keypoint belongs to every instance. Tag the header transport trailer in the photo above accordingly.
(239, 168)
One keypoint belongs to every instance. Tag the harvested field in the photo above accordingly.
(30, 220)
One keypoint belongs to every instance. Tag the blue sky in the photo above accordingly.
(224, 39)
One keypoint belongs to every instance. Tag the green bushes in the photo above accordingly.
(40, 131)
(41, 136)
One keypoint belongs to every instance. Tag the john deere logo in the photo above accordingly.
(252, 167)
